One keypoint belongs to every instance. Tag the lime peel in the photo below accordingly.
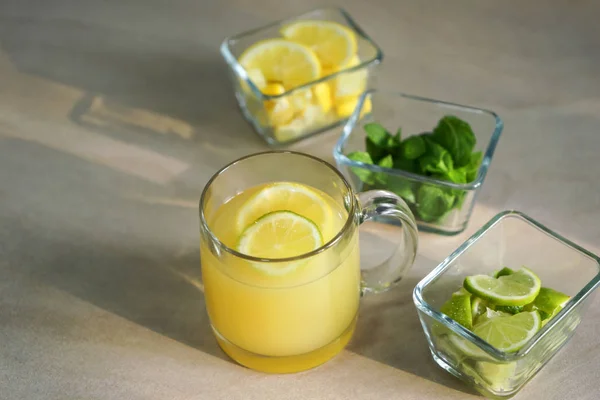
(279, 235)
(517, 289)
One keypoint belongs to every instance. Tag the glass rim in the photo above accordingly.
(463, 332)
(355, 117)
(243, 75)
(332, 242)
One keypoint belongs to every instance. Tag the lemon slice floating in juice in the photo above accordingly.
(280, 234)
(288, 196)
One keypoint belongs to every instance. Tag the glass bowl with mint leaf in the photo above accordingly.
(433, 154)
(505, 302)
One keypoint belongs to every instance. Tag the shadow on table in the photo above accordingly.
(75, 232)
(389, 331)
(162, 295)
(152, 90)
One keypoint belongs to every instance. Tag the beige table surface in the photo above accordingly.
(114, 114)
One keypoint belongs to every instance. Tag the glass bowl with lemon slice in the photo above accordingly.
(300, 76)
(505, 302)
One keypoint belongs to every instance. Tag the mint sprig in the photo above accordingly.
(446, 154)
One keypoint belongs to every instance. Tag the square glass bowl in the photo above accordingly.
(308, 109)
(417, 115)
(511, 239)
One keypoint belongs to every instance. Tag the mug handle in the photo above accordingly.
(378, 204)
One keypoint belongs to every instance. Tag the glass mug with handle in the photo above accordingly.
(280, 258)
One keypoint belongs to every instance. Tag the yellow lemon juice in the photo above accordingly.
(289, 315)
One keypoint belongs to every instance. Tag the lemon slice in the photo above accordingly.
(334, 44)
(289, 63)
(350, 83)
(280, 110)
(280, 234)
(323, 96)
(301, 98)
(288, 196)
(345, 106)
(294, 129)
(257, 77)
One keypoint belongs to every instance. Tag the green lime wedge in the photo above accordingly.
(461, 292)
(550, 302)
(497, 375)
(509, 333)
(503, 272)
(517, 289)
(503, 331)
(478, 306)
(510, 309)
(489, 314)
(459, 309)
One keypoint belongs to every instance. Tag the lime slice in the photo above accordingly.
(490, 314)
(461, 292)
(550, 301)
(503, 331)
(503, 272)
(478, 307)
(498, 376)
(287, 196)
(516, 289)
(459, 309)
(510, 309)
(468, 349)
(509, 333)
(280, 234)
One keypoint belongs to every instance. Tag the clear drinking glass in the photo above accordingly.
(315, 106)
(511, 239)
(416, 115)
(268, 323)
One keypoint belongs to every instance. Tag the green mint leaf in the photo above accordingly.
(456, 175)
(433, 202)
(377, 133)
(377, 140)
(473, 168)
(457, 137)
(402, 188)
(386, 162)
(413, 147)
(363, 174)
(460, 198)
(360, 156)
(406, 165)
(437, 160)
(375, 151)
(398, 135)
(392, 145)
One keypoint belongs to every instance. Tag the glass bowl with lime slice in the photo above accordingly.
(505, 302)
(302, 75)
